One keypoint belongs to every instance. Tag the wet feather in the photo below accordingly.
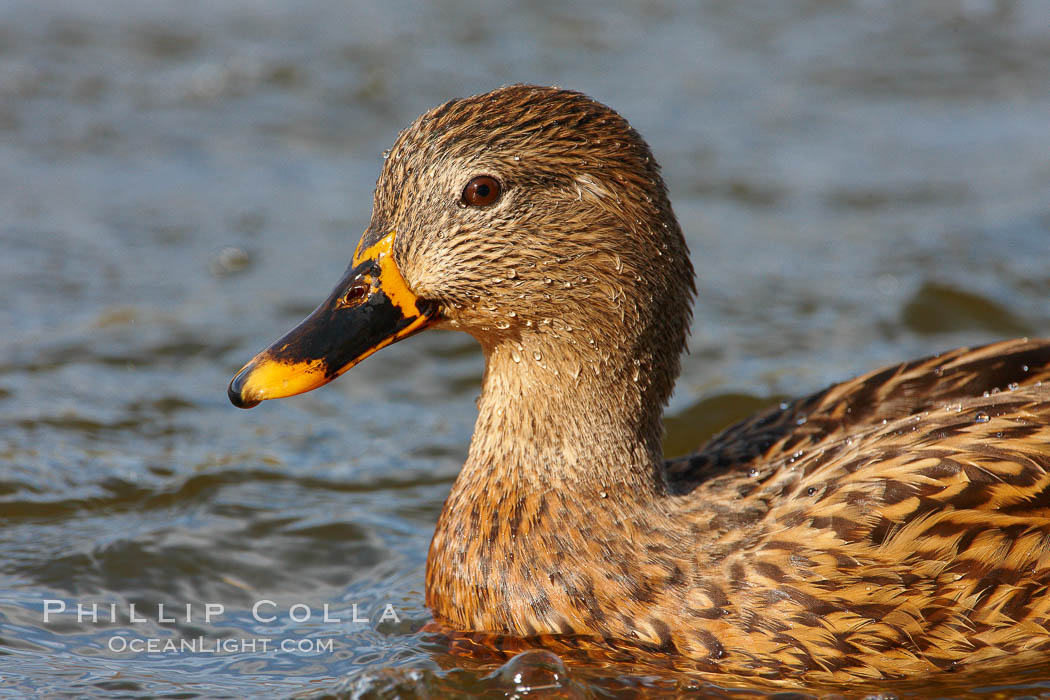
(891, 525)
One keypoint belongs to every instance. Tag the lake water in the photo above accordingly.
(860, 183)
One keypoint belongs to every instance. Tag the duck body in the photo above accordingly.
(892, 525)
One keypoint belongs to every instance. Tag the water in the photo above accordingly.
(860, 183)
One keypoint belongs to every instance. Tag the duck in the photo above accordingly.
(893, 525)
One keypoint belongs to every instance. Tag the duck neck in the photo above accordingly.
(565, 419)
(565, 466)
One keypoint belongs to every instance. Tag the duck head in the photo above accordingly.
(534, 219)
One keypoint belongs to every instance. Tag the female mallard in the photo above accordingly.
(889, 525)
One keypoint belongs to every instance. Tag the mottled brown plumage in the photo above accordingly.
(891, 525)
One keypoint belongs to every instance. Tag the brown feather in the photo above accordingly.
(890, 525)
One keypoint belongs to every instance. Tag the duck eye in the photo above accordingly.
(482, 191)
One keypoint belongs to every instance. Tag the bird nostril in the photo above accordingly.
(353, 294)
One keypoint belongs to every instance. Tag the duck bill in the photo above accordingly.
(370, 308)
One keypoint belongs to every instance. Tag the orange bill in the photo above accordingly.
(370, 308)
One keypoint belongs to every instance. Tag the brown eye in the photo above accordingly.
(482, 191)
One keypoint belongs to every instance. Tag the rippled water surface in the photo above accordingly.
(860, 182)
